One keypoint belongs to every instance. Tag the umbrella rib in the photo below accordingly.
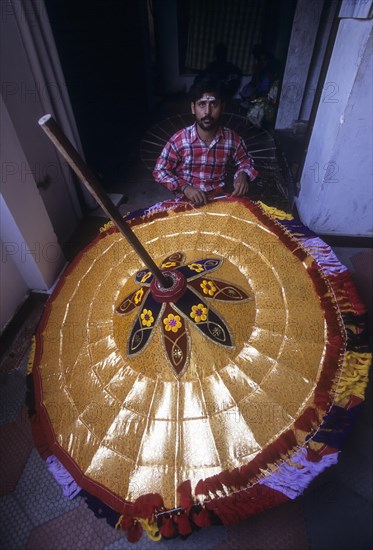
(204, 403)
(147, 421)
(149, 132)
(153, 143)
(172, 124)
(167, 134)
(238, 409)
(261, 150)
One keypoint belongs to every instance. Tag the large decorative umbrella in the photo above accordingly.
(206, 389)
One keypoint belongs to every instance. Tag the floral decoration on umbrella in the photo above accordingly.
(187, 302)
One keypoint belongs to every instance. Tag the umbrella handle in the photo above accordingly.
(71, 155)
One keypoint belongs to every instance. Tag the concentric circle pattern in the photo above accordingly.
(130, 424)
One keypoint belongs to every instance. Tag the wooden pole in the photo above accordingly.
(71, 155)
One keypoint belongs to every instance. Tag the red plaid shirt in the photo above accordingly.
(187, 159)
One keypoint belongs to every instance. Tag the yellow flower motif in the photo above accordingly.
(146, 277)
(208, 287)
(196, 267)
(138, 296)
(199, 313)
(147, 318)
(169, 264)
(172, 322)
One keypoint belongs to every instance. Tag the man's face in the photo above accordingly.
(207, 111)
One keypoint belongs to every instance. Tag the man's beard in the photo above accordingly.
(211, 126)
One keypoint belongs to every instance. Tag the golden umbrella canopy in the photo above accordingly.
(130, 421)
(173, 405)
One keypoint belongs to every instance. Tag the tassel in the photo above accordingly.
(185, 492)
(201, 518)
(108, 225)
(231, 478)
(291, 479)
(131, 526)
(147, 506)
(151, 529)
(208, 486)
(183, 524)
(126, 521)
(69, 486)
(346, 294)
(307, 421)
(167, 527)
(357, 332)
(275, 212)
(324, 256)
(354, 377)
(297, 229)
(119, 522)
(134, 533)
(336, 426)
(315, 455)
(250, 471)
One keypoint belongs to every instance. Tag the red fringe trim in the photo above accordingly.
(146, 506)
(244, 504)
(308, 421)
(133, 529)
(346, 293)
(241, 477)
(167, 528)
(183, 524)
(232, 479)
(316, 456)
(273, 453)
(185, 494)
(201, 518)
(354, 401)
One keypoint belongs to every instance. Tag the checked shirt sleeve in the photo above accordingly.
(165, 168)
(243, 161)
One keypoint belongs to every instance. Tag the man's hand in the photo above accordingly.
(241, 185)
(195, 195)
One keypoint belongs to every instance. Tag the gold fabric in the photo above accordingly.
(132, 425)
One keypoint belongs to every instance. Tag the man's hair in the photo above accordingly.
(206, 82)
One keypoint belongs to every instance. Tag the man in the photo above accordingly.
(266, 72)
(194, 161)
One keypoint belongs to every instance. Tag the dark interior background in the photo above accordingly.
(101, 48)
(108, 53)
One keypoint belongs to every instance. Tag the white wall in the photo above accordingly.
(28, 92)
(11, 284)
(31, 257)
(25, 223)
(34, 218)
(302, 42)
(317, 60)
(336, 183)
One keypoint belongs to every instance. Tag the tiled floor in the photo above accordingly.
(335, 512)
